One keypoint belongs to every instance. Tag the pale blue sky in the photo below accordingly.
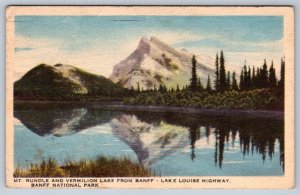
(99, 42)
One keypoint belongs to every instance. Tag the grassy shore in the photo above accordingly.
(100, 166)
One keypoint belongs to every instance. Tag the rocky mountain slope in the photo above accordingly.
(60, 80)
(155, 62)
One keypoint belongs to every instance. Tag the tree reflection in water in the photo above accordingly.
(255, 135)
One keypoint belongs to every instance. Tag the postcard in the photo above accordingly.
(150, 97)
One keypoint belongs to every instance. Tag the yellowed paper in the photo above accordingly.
(128, 97)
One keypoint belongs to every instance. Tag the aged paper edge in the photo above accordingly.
(244, 182)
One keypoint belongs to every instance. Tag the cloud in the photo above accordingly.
(216, 41)
(29, 42)
(177, 37)
(45, 50)
(99, 58)
(250, 46)
(236, 52)
(17, 49)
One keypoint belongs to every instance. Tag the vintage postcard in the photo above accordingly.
(150, 97)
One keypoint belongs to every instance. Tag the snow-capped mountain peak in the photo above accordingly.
(154, 62)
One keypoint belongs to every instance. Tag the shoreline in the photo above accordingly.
(270, 114)
(250, 113)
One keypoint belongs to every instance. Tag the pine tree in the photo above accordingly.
(222, 72)
(282, 70)
(234, 82)
(131, 90)
(186, 87)
(217, 74)
(249, 78)
(208, 85)
(242, 85)
(165, 90)
(264, 75)
(199, 85)
(245, 76)
(177, 88)
(160, 88)
(138, 87)
(228, 83)
(193, 80)
(253, 79)
(258, 78)
(272, 76)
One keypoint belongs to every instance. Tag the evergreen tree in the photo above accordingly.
(234, 82)
(242, 85)
(186, 87)
(282, 70)
(264, 75)
(272, 76)
(177, 88)
(258, 79)
(217, 74)
(199, 85)
(165, 89)
(253, 79)
(228, 83)
(138, 87)
(222, 72)
(249, 78)
(131, 90)
(193, 80)
(245, 81)
(160, 88)
(208, 85)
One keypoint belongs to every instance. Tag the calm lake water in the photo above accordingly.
(170, 144)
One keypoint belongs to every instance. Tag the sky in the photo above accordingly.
(97, 43)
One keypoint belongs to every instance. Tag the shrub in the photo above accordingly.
(101, 166)
(255, 99)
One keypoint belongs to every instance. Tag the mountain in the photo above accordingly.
(60, 119)
(63, 80)
(151, 143)
(155, 62)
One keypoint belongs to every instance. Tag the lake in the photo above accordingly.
(171, 144)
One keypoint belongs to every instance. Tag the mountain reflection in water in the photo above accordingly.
(155, 136)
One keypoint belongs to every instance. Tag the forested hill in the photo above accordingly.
(60, 82)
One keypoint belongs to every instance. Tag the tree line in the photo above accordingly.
(262, 77)
(255, 78)
(249, 78)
